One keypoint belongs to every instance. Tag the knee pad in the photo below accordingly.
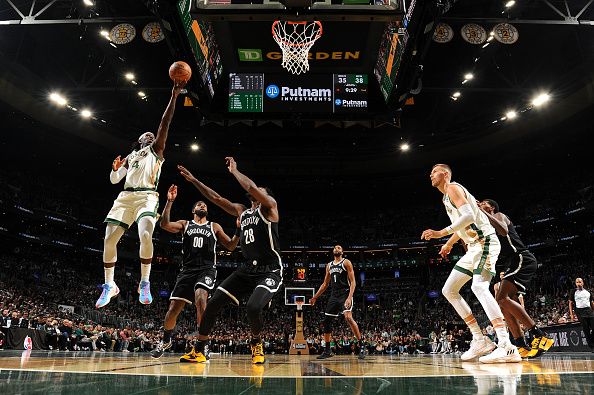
(328, 321)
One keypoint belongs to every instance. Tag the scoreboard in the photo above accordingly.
(315, 93)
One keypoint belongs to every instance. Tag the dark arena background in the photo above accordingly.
(501, 91)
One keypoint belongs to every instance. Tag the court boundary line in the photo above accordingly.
(293, 377)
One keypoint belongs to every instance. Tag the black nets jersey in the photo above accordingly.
(199, 246)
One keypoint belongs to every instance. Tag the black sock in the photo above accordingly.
(167, 335)
(520, 342)
(535, 332)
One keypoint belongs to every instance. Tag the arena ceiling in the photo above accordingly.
(554, 54)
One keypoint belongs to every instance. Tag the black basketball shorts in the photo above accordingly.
(189, 280)
(244, 281)
(520, 269)
(335, 305)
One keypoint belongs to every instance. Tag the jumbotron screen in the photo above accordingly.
(314, 93)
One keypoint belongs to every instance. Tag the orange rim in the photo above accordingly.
(284, 42)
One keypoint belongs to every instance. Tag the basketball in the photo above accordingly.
(180, 71)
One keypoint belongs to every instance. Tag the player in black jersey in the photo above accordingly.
(520, 266)
(261, 275)
(198, 273)
(340, 276)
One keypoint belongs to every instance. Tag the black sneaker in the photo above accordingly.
(325, 355)
(161, 347)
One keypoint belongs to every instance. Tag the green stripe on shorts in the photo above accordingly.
(484, 256)
(462, 270)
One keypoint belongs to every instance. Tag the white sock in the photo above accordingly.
(145, 272)
(109, 272)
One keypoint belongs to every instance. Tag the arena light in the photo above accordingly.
(58, 99)
(404, 147)
(141, 94)
(104, 33)
(88, 3)
(510, 4)
(511, 114)
(456, 94)
(129, 76)
(468, 76)
(85, 113)
(485, 45)
(541, 99)
(194, 147)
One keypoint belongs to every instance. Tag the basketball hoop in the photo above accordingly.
(299, 304)
(295, 38)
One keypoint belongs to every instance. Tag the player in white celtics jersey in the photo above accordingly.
(471, 225)
(138, 203)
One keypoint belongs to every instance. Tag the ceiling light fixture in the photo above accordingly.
(58, 99)
(129, 76)
(404, 147)
(86, 113)
(511, 114)
(510, 4)
(541, 99)
(195, 147)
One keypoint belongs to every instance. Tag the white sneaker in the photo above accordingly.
(478, 348)
(503, 353)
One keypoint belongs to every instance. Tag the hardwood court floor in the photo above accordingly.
(110, 373)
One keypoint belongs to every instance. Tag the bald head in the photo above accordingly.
(579, 282)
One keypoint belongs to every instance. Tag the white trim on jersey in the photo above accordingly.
(214, 248)
(510, 243)
(332, 315)
(229, 294)
(269, 223)
(178, 298)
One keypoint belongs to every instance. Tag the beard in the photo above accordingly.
(201, 213)
(337, 254)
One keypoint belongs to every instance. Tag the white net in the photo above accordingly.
(295, 40)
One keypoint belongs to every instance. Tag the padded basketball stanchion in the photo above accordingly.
(298, 344)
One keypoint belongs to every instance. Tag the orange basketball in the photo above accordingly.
(180, 71)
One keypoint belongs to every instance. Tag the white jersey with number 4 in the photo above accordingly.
(144, 169)
(480, 226)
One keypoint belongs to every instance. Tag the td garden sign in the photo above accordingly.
(256, 55)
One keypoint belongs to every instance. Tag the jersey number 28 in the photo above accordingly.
(248, 234)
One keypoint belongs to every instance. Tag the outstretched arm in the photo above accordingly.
(246, 183)
(166, 224)
(323, 287)
(163, 131)
(227, 242)
(235, 209)
(352, 283)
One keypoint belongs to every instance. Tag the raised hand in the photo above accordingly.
(312, 301)
(178, 87)
(172, 192)
(118, 162)
(185, 173)
(231, 164)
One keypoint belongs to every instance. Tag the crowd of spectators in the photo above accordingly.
(37, 278)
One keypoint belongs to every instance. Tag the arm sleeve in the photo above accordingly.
(463, 221)
(116, 176)
(572, 296)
